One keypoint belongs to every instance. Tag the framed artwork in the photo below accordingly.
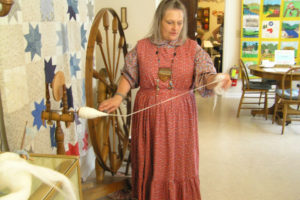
(270, 29)
(203, 17)
(268, 49)
(250, 26)
(250, 49)
(291, 8)
(290, 29)
(271, 8)
(290, 46)
(251, 7)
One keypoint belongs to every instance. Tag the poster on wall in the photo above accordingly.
(251, 7)
(290, 29)
(268, 49)
(290, 46)
(270, 29)
(250, 26)
(269, 25)
(291, 8)
(271, 8)
(249, 49)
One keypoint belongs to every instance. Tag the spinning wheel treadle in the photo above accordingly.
(109, 135)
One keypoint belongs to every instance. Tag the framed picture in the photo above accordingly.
(203, 17)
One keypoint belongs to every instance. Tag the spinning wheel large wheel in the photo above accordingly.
(109, 135)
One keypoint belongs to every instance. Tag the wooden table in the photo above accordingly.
(266, 73)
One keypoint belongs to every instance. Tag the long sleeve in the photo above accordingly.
(203, 68)
(130, 70)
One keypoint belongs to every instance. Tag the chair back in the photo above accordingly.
(244, 75)
(289, 86)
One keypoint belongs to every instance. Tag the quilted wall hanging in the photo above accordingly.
(39, 38)
(269, 25)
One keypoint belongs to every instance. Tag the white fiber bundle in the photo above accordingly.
(90, 113)
(16, 174)
(218, 90)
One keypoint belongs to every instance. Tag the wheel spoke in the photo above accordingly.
(98, 76)
(114, 30)
(99, 42)
(121, 43)
(106, 27)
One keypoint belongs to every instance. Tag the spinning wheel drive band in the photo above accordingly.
(109, 135)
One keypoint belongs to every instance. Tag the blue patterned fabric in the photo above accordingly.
(295, 93)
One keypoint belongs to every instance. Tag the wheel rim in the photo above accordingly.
(109, 135)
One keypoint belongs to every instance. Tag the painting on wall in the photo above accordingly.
(249, 49)
(271, 8)
(290, 46)
(250, 26)
(270, 29)
(291, 8)
(251, 7)
(290, 29)
(268, 49)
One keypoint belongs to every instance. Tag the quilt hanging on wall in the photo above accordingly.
(269, 25)
(39, 38)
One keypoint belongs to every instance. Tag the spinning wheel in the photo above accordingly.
(109, 135)
(59, 93)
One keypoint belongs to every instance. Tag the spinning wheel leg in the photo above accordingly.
(59, 137)
(99, 172)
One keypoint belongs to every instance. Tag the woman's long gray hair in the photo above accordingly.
(155, 32)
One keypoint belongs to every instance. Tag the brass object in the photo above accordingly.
(164, 74)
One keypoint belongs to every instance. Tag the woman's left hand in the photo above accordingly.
(226, 81)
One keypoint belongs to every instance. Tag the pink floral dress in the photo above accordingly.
(164, 138)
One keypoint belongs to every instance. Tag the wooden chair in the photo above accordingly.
(252, 90)
(287, 99)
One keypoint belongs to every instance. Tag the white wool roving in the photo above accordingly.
(218, 90)
(90, 113)
(16, 177)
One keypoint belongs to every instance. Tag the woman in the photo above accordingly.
(164, 138)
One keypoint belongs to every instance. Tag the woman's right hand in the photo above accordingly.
(111, 104)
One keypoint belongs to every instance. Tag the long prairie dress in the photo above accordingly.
(164, 138)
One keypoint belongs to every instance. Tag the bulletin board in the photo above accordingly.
(269, 25)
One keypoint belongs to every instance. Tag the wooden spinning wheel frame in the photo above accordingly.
(109, 135)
